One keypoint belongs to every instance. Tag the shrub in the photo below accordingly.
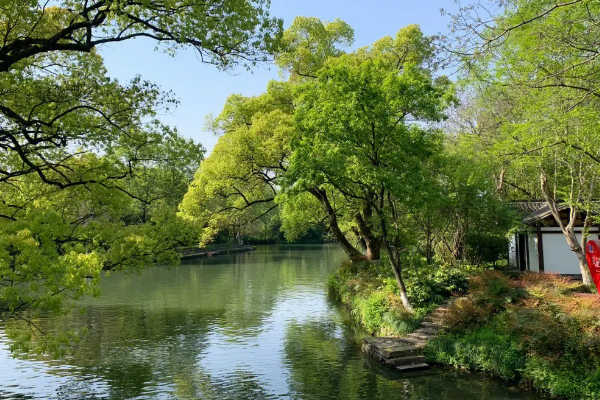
(551, 330)
(431, 284)
(569, 378)
(369, 311)
(371, 292)
(483, 350)
(465, 315)
(541, 330)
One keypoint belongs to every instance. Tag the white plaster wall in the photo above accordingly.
(558, 258)
(533, 253)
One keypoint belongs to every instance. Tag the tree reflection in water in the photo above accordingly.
(251, 326)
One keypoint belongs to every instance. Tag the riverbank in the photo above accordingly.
(542, 330)
(539, 330)
(370, 291)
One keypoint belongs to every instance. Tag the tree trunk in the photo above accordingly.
(458, 244)
(398, 274)
(568, 231)
(372, 243)
(396, 265)
(361, 241)
(350, 250)
(429, 247)
(373, 250)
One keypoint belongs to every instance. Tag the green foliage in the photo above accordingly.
(58, 240)
(89, 178)
(372, 300)
(309, 43)
(533, 81)
(371, 292)
(429, 284)
(533, 329)
(299, 214)
(344, 140)
(349, 140)
(461, 217)
(568, 379)
(236, 185)
(370, 310)
(483, 350)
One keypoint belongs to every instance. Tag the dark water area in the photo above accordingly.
(256, 325)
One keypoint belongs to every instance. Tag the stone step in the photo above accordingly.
(413, 367)
(411, 341)
(438, 313)
(428, 331)
(434, 320)
(421, 336)
(400, 351)
(406, 353)
(407, 360)
(440, 319)
(433, 325)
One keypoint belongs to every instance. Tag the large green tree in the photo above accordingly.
(350, 134)
(89, 178)
(535, 72)
(362, 131)
(235, 188)
(241, 180)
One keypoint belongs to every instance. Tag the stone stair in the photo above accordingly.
(406, 353)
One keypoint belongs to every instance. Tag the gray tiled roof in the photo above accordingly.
(542, 213)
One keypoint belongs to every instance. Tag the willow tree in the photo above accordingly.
(84, 163)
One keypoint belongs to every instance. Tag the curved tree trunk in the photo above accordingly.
(395, 264)
(372, 243)
(350, 250)
(569, 232)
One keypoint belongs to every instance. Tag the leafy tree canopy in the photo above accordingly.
(342, 140)
(89, 178)
(535, 74)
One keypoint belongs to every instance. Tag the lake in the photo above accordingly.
(256, 325)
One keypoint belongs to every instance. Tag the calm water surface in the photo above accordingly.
(250, 326)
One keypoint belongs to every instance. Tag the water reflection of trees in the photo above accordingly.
(135, 351)
(150, 333)
(324, 363)
(153, 328)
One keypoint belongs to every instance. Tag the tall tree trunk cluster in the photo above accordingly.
(367, 237)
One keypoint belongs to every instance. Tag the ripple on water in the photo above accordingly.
(251, 326)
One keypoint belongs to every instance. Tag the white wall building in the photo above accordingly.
(543, 247)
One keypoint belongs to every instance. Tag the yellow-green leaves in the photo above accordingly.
(237, 184)
(309, 43)
(89, 178)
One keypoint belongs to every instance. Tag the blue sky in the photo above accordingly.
(202, 89)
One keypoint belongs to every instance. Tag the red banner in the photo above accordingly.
(593, 258)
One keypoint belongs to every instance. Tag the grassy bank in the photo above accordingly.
(371, 293)
(540, 330)
(537, 329)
